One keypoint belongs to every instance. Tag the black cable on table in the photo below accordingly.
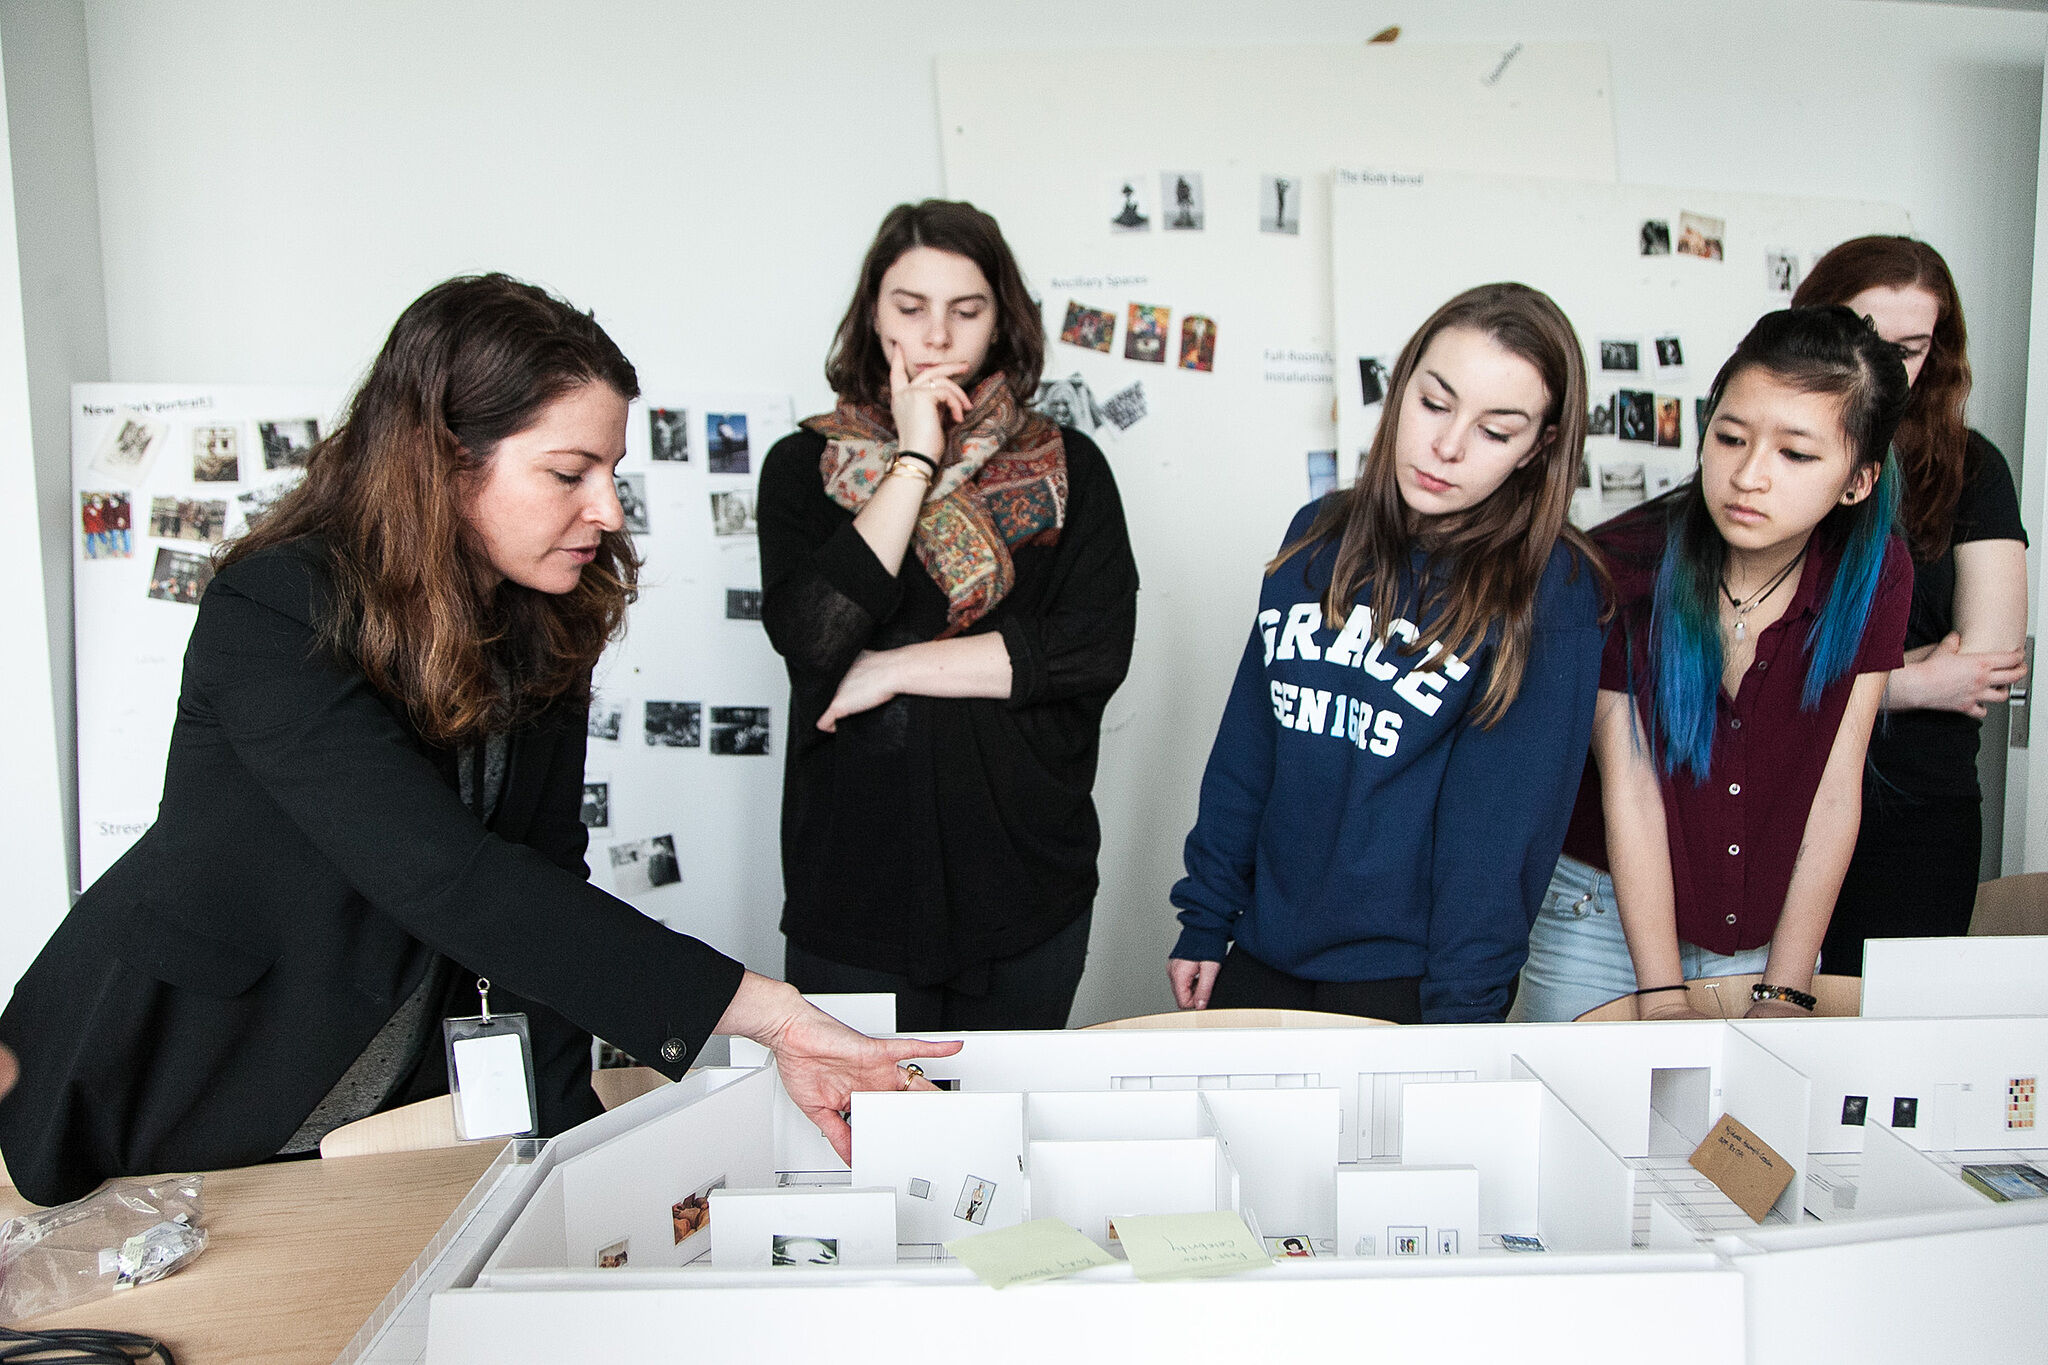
(79, 1346)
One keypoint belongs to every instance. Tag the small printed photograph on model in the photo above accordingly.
(179, 577)
(675, 724)
(645, 865)
(740, 730)
(976, 1194)
(615, 1255)
(1291, 1248)
(796, 1250)
(216, 454)
(668, 435)
(725, 443)
(288, 445)
(691, 1214)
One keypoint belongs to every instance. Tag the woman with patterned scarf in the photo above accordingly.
(949, 578)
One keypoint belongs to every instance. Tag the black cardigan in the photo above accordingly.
(932, 835)
(309, 857)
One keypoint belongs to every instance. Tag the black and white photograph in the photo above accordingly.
(1069, 402)
(732, 514)
(645, 865)
(255, 504)
(1280, 204)
(675, 724)
(1655, 237)
(1781, 271)
(1670, 353)
(179, 577)
(1622, 484)
(201, 519)
(597, 805)
(216, 454)
(1620, 355)
(606, 717)
(1905, 1111)
(632, 490)
(725, 443)
(976, 1194)
(1585, 472)
(1180, 197)
(742, 604)
(288, 445)
(668, 435)
(1855, 1108)
(794, 1250)
(1600, 417)
(614, 1255)
(1372, 380)
(1126, 407)
(1635, 415)
(740, 730)
(1127, 209)
(919, 1188)
(129, 445)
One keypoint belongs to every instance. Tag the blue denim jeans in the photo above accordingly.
(1578, 955)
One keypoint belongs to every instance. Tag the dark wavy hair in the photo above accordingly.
(1493, 555)
(416, 603)
(1933, 438)
(856, 366)
(1815, 350)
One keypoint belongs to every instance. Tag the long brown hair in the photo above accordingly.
(856, 367)
(416, 604)
(1933, 440)
(1493, 554)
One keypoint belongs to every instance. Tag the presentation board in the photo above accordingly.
(1184, 269)
(1660, 284)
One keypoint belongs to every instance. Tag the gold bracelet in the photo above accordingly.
(910, 469)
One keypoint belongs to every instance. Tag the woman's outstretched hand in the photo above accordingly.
(1192, 981)
(926, 403)
(822, 1061)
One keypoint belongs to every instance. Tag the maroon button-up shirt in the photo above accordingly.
(1735, 837)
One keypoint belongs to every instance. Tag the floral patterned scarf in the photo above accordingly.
(1002, 482)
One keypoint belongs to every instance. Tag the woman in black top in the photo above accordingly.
(948, 577)
(372, 797)
(1914, 873)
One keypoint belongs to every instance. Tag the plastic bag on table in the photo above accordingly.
(127, 1234)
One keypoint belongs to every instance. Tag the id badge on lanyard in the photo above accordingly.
(490, 1072)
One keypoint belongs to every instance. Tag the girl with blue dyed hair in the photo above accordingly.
(1759, 609)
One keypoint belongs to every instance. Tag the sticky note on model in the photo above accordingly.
(1042, 1249)
(1743, 1166)
(1181, 1246)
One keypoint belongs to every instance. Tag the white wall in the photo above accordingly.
(277, 179)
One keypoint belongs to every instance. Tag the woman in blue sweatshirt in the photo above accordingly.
(1396, 764)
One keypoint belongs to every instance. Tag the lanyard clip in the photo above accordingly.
(483, 998)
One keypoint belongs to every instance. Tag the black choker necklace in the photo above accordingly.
(1745, 607)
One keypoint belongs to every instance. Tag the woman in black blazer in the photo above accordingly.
(372, 797)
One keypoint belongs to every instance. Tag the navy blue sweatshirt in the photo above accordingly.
(1355, 825)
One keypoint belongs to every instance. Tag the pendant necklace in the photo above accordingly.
(1747, 605)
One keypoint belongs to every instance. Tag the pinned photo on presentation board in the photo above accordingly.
(104, 518)
(1129, 215)
(597, 805)
(675, 724)
(668, 435)
(732, 514)
(179, 577)
(632, 491)
(1197, 343)
(1700, 235)
(1372, 380)
(725, 440)
(1781, 270)
(1181, 193)
(1654, 237)
(1622, 485)
(741, 731)
(1620, 355)
(216, 454)
(1586, 467)
(1667, 420)
(645, 865)
(742, 604)
(1145, 333)
(1092, 329)
(606, 718)
(201, 519)
(1069, 402)
(1600, 418)
(255, 504)
(1670, 353)
(1635, 415)
(1126, 407)
(1322, 472)
(1280, 204)
(130, 444)
(288, 445)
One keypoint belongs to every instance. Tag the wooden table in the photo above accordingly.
(299, 1253)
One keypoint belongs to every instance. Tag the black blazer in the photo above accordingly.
(309, 857)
